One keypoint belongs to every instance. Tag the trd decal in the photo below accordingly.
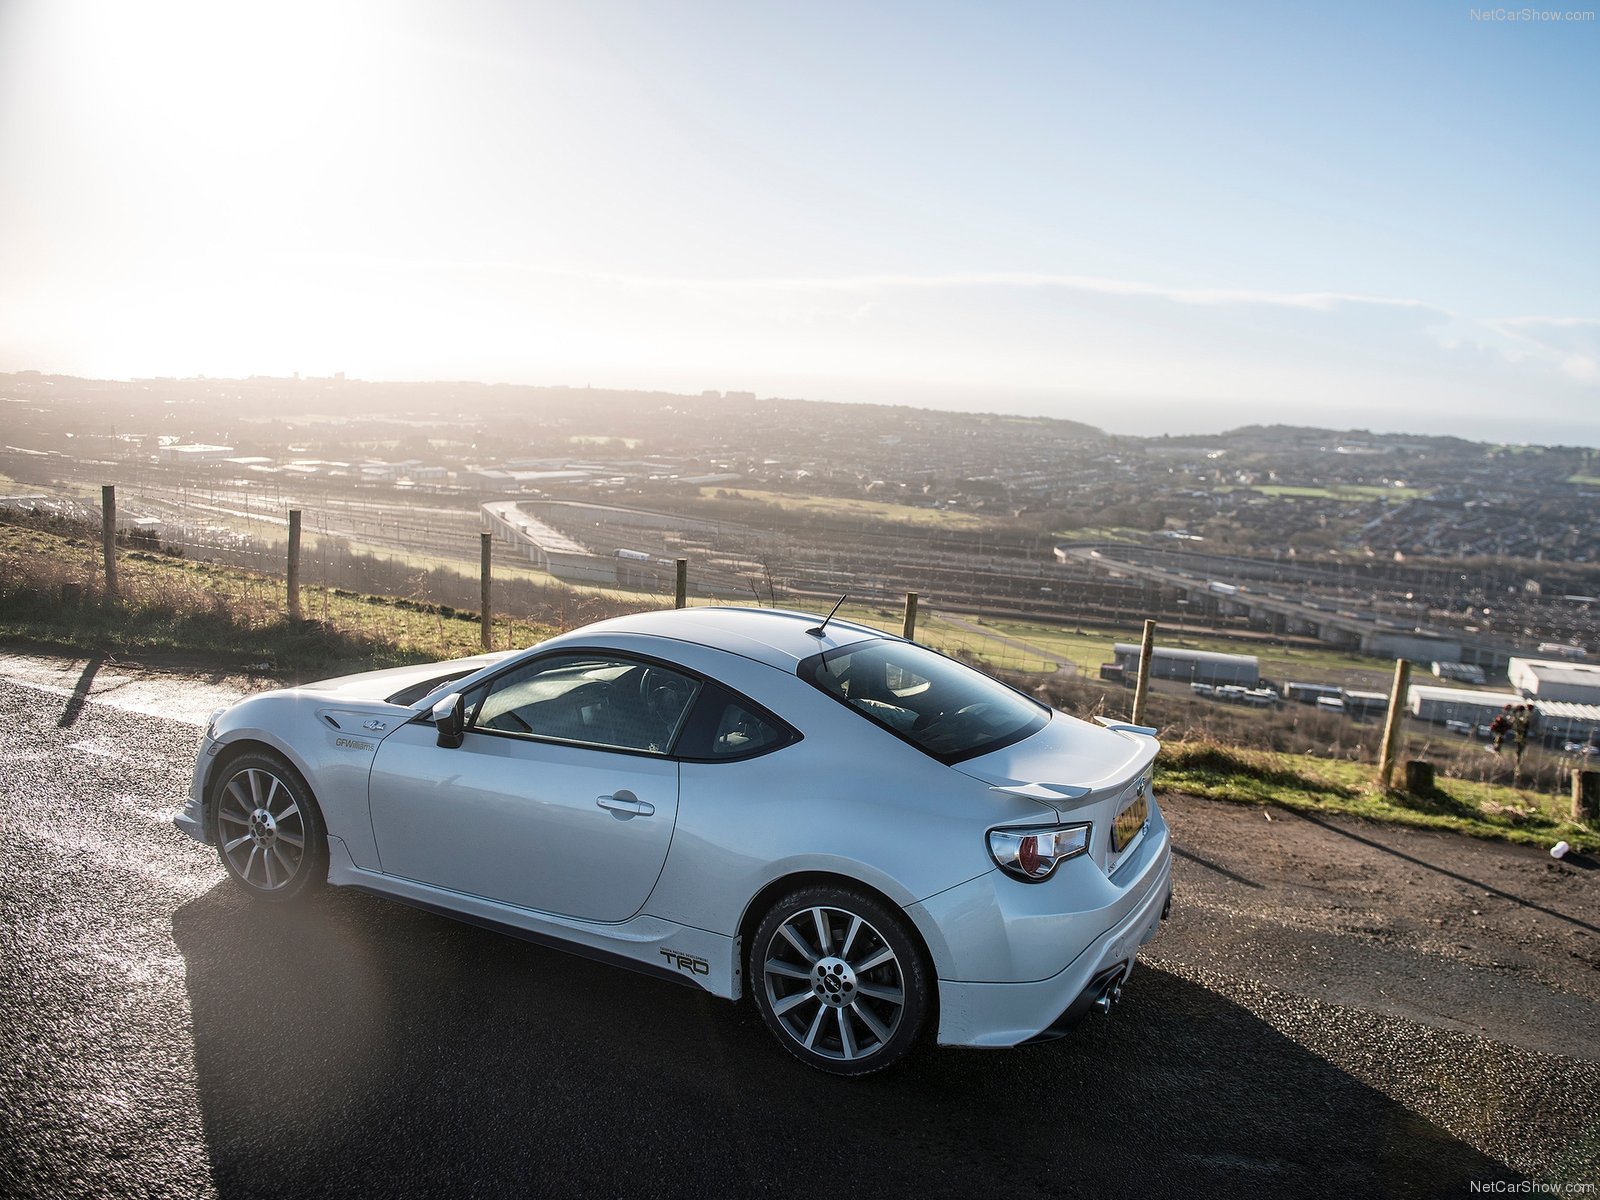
(687, 962)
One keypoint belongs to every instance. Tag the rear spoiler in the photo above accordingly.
(1117, 726)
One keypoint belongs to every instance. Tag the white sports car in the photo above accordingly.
(874, 841)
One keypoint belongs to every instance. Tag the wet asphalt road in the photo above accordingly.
(161, 1036)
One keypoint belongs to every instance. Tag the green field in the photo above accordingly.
(948, 636)
(1099, 533)
(1089, 647)
(1310, 784)
(1353, 492)
(1586, 480)
(848, 507)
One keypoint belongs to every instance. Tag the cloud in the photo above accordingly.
(1314, 301)
(947, 281)
(1126, 353)
(1569, 344)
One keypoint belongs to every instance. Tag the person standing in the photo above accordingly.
(1499, 727)
(1521, 719)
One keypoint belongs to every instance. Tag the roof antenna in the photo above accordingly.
(817, 632)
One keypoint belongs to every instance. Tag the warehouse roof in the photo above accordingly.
(1419, 692)
(1571, 673)
(1567, 711)
(1209, 656)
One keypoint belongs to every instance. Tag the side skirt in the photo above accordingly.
(685, 955)
(594, 954)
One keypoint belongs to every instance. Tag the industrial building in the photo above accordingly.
(194, 454)
(1364, 704)
(1311, 693)
(1192, 666)
(546, 548)
(1560, 721)
(1555, 721)
(1546, 679)
(1440, 704)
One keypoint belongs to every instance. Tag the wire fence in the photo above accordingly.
(427, 557)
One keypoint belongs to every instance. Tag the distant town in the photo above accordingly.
(1431, 547)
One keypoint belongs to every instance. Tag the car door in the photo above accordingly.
(560, 798)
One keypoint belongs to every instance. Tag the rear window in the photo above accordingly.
(939, 705)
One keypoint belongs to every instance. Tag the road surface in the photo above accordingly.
(1335, 1009)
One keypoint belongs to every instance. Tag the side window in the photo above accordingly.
(594, 699)
(724, 726)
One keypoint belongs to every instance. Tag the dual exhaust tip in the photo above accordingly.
(1110, 988)
(1109, 994)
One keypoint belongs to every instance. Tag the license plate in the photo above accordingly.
(1130, 822)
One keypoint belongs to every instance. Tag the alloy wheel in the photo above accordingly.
(261, 829)
(834, 984)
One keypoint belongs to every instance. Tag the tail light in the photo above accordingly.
(1034, 854)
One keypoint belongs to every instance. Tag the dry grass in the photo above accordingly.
(1303, 782)
(1300, 757)
(52, 592)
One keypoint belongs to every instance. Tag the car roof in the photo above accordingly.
(776, 636)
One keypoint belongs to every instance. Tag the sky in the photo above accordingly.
(1152, 217)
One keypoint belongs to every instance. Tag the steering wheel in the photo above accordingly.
(662, 693)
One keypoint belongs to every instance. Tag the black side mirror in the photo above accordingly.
(450, 719)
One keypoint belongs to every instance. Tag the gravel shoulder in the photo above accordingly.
(1460, 977)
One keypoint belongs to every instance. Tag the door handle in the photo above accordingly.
(626, 804)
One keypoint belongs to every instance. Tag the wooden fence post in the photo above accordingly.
(294, 565)
(1586, 796)
(909, 629)
(485, 563)
(1141, 691)
(681, 595)
(108, 536)
(1393, 722)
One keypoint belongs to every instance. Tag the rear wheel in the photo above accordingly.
(269, 831)
(839, 980)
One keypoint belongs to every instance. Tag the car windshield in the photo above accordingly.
(939, 705)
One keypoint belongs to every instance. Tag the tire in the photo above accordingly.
(269, 830)
(839, 980)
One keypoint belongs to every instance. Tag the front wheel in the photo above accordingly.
(839, 980)
(268, 828)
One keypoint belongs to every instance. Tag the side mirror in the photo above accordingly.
(450, 719)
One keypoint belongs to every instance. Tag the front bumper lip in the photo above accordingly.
(188, 823)
(191, 819)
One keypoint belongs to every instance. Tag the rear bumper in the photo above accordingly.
(997, 1015)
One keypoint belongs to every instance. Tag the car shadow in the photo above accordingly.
(352, 1046)
(1521, 901)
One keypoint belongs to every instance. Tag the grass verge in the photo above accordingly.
(52, 594)
(1309, 784)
